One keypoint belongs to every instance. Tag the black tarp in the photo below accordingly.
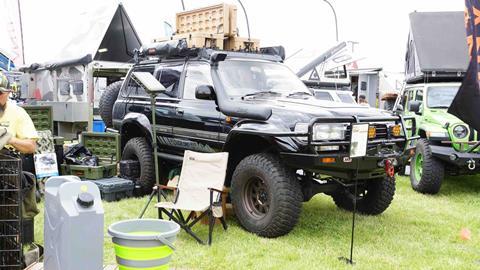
(436, 46)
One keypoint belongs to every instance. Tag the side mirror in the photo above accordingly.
(148, 82)
(414, 106)
(205, 92)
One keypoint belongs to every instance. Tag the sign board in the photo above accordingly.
(46, 165)
(359, 139)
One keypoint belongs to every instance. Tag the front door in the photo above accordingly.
(199, 122)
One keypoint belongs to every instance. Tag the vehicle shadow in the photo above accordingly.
(466, 184)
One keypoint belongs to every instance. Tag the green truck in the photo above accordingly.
(436, 62)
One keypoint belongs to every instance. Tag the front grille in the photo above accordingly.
(381, 132)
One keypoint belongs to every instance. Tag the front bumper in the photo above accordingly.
(343, 166)
(465, 160)
(395, 149)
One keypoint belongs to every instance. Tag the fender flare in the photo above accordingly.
(137, 119)
(256, 128)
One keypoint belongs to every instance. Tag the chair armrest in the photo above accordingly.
(167, 187)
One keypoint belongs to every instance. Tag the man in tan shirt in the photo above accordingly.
(15, 119)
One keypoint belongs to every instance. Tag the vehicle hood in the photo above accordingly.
(294, 110)
(441, 117)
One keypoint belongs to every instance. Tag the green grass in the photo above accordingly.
(416, 232)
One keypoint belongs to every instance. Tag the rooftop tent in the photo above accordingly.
(437, 47)
(107, 34)
(120, 40)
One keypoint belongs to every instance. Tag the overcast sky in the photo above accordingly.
(380, 26)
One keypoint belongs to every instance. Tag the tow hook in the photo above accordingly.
(471, 164)
(389, 168)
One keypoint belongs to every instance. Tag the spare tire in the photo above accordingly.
(107, 100)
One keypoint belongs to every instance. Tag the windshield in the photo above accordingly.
(441, 96)
(346, 97)
(246, 77)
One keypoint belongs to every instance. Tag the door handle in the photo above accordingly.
(180, 111)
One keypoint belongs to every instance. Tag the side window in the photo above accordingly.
(197, 74)
(404, 100)
(419, 95)
(169, 77)
(133, 89)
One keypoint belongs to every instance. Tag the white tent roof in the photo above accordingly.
(105, 33)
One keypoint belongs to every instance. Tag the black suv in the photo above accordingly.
(284, 145)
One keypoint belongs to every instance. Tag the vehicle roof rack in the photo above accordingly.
(179, 49)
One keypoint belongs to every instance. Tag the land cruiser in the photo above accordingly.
(284, 145)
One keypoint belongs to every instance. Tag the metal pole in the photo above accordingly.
(246, 18)
(154, 144)
(335, 15)
(183, 5)
(21, 30)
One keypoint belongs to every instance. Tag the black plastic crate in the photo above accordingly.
(115, 188)
(10, 213)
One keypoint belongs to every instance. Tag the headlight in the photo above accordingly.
(460, 131)
(329, 131)
(324, 131)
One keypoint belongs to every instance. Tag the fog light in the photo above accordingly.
(396, 130)
(453, 157)
(372, 132)
(327, 148)
(328, 160)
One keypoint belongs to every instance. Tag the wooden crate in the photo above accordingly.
(202, 40)
(217, 19)
(241, 44)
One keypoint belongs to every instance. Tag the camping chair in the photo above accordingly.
(199, 189)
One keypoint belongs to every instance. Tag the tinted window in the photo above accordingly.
(133, 89)
(169, 77)
(197, 74)
(323, 95)
(419, 95)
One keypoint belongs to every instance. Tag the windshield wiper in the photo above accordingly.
(262, 93)
(299, 93)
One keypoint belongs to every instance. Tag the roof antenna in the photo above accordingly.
(183, 5)
(246, 18)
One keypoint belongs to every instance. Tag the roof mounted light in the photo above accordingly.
(218, 57)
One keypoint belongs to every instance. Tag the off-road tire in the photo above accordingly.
(282, 190)
(379, 195)
(139, 149)
(107, 100)
(432, 173)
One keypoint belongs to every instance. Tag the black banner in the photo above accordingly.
(466, 104)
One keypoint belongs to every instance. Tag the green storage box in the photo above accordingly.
(106, 146)
(41, 116)
(90, 172)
